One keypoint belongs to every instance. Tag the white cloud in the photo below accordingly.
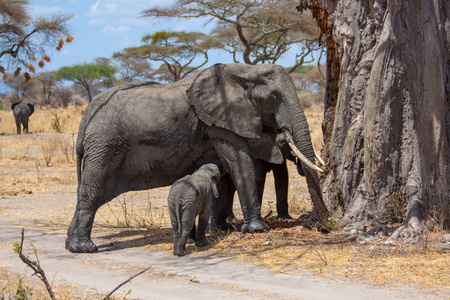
(115, 30)
(93, 10)
(96, 21)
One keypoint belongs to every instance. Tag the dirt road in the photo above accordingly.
(41, 199)
(172, 277)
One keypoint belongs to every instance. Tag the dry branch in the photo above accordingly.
(35, 266)
(107, 297)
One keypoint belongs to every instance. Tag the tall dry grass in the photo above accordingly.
(43, 120)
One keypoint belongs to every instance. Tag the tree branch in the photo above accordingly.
(107, 297)
(35, 266)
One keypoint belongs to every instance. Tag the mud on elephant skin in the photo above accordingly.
(189, 197)
(145, 135)
(22, 111)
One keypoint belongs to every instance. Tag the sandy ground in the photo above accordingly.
(170, 277)
(41, 199)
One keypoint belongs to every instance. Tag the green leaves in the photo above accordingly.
(85, 75)
(85, 72)
(176, 49)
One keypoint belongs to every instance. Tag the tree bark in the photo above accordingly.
(387, 113)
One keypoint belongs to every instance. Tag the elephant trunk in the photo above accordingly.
(298, 136)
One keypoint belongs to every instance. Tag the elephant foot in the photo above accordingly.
(254, 226)
(202, 243)
(284, 216)
(180, 252)
(220, 225)
(81, 246)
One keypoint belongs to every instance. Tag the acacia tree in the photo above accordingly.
(25, 40)
(258, 31)
(85, 75)
(176, 50)
(387, 118)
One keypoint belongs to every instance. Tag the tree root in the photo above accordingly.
(410, 231)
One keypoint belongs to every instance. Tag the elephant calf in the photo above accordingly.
(189, 197)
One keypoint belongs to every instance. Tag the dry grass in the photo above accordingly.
(43, 120)
(32, 286)
(47, 194)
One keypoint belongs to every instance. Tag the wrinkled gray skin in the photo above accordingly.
(146, 135)
(189, 197)
(223, 205)
(22, 111)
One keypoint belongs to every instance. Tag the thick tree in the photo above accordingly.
(181, 53)
(85, 75)
(25, 40)
(387, 117)
(252, 31)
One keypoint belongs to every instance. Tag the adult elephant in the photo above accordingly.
(22, 111)
(147, 135)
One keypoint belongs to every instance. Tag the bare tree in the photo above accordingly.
(47, 81)
(387, 117)
(63, 95)
(133, 69)
(25, 40)
(20, 87)
(256, 31)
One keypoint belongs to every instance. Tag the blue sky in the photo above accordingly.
(103, 27)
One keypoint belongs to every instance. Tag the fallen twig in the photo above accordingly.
(35, 266)
(107, 297)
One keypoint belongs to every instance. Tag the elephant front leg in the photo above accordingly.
(243, 174)
(203, 220)
(235, 157)
(281, 176)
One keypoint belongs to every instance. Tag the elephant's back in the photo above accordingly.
(135, 105)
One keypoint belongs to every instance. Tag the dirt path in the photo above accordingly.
(41, 199)
(178, 277)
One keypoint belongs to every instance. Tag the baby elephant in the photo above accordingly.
(189, 197)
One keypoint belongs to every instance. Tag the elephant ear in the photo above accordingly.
(14, 105)
(266, 149)
(219, 96)
(31, 107)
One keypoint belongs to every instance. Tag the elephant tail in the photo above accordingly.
(80, 154)
(178, 212)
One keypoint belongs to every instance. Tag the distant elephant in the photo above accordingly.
(22, 111)
(223, 205)
(144, 135)
(189, 197)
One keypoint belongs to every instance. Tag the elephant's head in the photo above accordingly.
(29, 108)
(212, 173)
(247, 99)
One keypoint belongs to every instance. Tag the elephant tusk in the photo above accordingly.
(319, 158)
(297, 152)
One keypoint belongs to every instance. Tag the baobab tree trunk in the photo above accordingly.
(387, 117)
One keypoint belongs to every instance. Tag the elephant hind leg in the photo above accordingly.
(18, 124)
(94, 190)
